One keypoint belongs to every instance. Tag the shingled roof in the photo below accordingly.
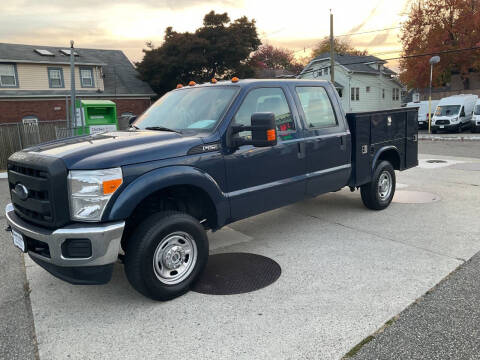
(356, 63)
(120, 77)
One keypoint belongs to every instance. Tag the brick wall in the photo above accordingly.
(12, 111)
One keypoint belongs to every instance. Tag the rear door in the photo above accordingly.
(260, 179)
(327, 139)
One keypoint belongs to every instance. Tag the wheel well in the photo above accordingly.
(185, 198)
(392, 156)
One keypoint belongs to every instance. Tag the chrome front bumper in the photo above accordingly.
(105, 240)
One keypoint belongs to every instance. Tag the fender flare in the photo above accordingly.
(381, 151)
(158, 179)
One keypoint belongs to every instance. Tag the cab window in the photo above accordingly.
(266, 100)
(317, 107)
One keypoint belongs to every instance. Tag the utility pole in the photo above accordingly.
(332, 50)
(73, 115)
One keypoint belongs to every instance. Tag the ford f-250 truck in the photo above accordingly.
(199, 158)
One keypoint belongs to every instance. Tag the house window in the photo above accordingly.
(355, 94)
(396, 94)
(367, 89)
(8, 75)
(383, 93)
(55, 78)
(86, 77)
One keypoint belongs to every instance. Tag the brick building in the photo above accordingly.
(35, 81)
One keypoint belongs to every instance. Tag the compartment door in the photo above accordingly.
(411, 145)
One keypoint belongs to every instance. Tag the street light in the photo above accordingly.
(433, 60)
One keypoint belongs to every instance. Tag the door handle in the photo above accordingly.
(301, 149)
(342, 142)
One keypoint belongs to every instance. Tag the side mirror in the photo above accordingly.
(263, 130)
(132, 120)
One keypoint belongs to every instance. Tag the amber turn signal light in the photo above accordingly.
(271, 136)
(110, 186)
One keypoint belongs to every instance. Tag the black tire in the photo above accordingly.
(142, 246)
(370, 192)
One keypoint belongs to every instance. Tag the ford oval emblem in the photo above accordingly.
(21, 191)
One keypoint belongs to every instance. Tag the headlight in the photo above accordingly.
(90, 190)
(455, 119)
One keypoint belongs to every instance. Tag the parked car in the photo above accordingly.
(201, 157)
(454, 113)
(423, 111)
(476, 117)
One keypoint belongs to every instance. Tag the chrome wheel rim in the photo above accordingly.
(175, 258)
(385, 184)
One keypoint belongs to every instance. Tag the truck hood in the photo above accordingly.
(119, 148)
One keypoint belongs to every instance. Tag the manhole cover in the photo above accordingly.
(467, 166)
(237, 273)
(436, 161)
(414, 197)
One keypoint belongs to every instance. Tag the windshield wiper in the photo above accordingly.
(161, 128)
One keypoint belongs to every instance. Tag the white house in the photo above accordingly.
(363, 82)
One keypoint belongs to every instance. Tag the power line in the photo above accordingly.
(368, 32)
(406, 57)
(351, 34)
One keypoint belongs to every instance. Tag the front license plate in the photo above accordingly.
(18, 240)
(421, 122)
(441, 126)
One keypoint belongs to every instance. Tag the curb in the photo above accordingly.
(3, 175)
(449, 138)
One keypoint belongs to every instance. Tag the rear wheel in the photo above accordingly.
(378, 194)
(165, 255)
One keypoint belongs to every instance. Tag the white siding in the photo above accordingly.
(35, 77)
(368, 101)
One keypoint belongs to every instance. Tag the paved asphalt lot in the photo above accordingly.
(345, 272)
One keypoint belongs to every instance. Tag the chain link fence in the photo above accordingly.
(17, 136)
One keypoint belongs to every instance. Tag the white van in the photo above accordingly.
(454, 113)
(476, 118)
(423, 111)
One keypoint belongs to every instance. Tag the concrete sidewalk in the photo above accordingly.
(465, 136)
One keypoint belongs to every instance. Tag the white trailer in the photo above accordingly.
(454, 113)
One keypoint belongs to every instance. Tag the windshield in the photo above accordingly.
(447, 110)
(477, 110)
(188, 109)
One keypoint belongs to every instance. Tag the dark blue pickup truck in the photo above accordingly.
(201, 157)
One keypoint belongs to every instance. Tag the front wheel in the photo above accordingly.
(165, 255)
(378, 193)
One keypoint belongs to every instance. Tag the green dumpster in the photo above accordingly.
(95, 116)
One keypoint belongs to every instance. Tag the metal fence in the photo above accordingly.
(17, 136)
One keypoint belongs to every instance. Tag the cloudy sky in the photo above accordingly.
(128, 24)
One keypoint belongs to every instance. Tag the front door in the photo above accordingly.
(327, 141)
(260, 179)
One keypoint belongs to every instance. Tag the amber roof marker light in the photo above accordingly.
(235, 79)
(179, 86)
(214, 81)
(192, 83)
